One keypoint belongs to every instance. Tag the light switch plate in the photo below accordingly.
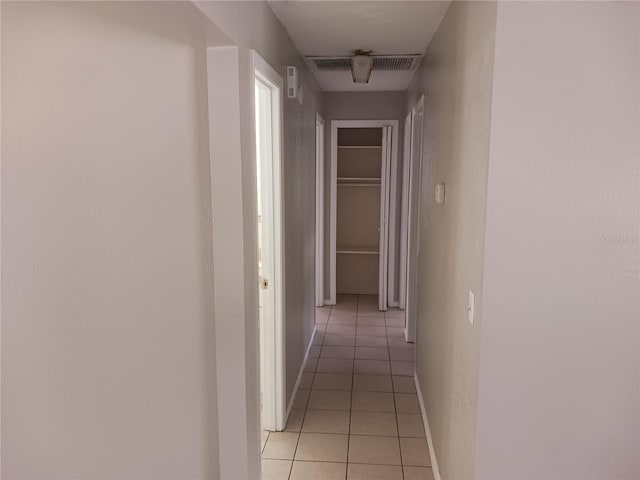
(472, 307)
(440, 193)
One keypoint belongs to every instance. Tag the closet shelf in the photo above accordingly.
(357, 250)
(358, 182)
(360, 146)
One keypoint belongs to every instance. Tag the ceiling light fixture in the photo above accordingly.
(361, 66)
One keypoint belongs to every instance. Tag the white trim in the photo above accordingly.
(273, 390)
(236, 322)
(299, 379)
(404, 212)
(393, 195)
(320, 162)
(413, 222)
(432, 453)
(333, 203)
(384, 200)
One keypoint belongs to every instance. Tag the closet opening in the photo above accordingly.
(362, 157)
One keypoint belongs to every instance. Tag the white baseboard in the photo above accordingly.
(432, 452)
(327, 301)
(299, 379)
(394, 304)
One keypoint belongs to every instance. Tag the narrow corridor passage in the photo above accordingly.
(356, 415)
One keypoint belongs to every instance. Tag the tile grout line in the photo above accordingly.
(393, 394)
(306, 404)
(353, 373)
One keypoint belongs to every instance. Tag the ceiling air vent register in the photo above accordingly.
(380, 62)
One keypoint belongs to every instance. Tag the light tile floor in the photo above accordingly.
(356, 415)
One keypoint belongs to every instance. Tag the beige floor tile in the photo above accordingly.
(357, 471)
(326, 421)
(372, 383)
(395, 332)
(322, 447)
(410, 425)
(332, 381)
(300, 401)
(402, 354)
(372, 353)
(321, 328)
(399, 342)
(340, 329)
(367, 299)
(332, 339)
(372, 402)
(370, 341)
(314, 351)
(322, 317)
(311, 364)
(375, 450)
(418, 473)
(344, 311)
(343, 319)
(280, 445)
(394, 322)
(275, 469)
(369, 310)
(415, 452)
(370, 423)
(406, 369)
(318, 471)
(371, 321)
(372, 331)
(318, 338)
(294, 422)
(263, 439)
(404, 385)
(334, 365)
(330, 400)
(372, 367)
(407, 403)
(394, 313)
(306, 380)
(331, 351)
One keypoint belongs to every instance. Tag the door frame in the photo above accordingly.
(404, 212)
(387, 205)
(413, 220)
(272, 336)
(319, 210)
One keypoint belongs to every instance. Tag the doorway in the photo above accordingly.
(409, 247)
(319, 211)
(363, 153)
(269, 209)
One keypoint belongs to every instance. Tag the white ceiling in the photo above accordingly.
(390, 27)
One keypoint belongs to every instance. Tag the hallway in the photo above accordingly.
(356, 414)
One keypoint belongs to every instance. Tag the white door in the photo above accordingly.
(413, 219)
(268, 88)
(319, 211)
(404, 212)
(384, 217)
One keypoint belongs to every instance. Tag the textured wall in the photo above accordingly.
(559, 368)
(107, 315)
(455, 78)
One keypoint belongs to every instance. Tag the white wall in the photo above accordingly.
(455, 78)
(108, 366)
(559, 372)
(361, 106)
(252, 25)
